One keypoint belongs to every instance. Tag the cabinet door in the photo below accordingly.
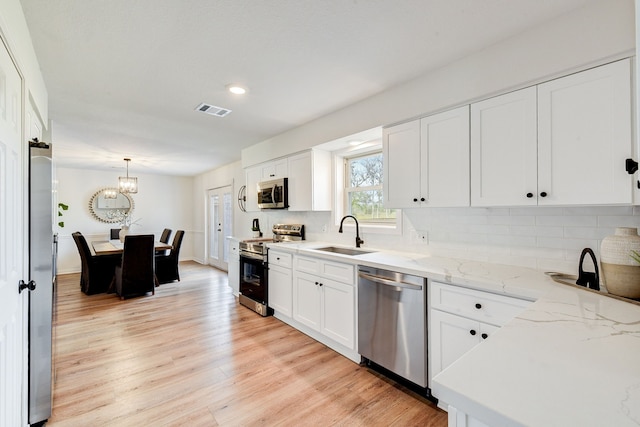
(275, 169)
(306, 300)
(338, 312)
(504, 150)
(401, 151)
(444, 152)
(585, 137)
(450, 337)
(280, 290)
(253, 176)
(300, 182)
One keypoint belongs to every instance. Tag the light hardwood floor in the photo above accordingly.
(191, 356)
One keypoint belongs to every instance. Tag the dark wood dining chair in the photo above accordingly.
(97, 270)
(167, 265)
(136, 274)
(164, 238)
(115, 233)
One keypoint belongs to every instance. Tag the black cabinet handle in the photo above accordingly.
(484, 336)
(422, 199)
(478, 306)
(320, 284)
(529, 195)
(415, 199)
(472, 332)
(543, 194)
(316, 283)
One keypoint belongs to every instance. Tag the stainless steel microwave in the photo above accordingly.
(273, 194)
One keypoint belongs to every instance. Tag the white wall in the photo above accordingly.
(161, 202)
(537, 237)
(13, 27)
(602, 30)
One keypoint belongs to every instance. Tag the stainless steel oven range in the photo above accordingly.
(254, 267)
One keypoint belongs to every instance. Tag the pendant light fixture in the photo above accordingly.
(128, 185)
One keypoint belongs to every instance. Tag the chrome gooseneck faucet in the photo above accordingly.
(359, 241)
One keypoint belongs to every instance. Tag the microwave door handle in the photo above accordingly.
(273, 194)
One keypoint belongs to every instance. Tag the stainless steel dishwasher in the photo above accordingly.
(392, 322)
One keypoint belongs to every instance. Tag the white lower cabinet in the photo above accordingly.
(326, 306)
(324, 300)
(280, 290)
(461, 318)
(280, 283)
(233, 266)
(454, 336)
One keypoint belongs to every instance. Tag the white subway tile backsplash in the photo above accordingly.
(545, 238)
(619, 221)
(568, 221)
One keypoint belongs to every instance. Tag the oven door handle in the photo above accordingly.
(251, 256)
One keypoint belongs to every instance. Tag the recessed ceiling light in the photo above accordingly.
(236, 89)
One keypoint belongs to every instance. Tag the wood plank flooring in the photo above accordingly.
(191, 356)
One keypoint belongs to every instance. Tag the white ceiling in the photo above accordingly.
(124, 77)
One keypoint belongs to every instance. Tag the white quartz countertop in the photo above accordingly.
(571, 359)
(519, 282)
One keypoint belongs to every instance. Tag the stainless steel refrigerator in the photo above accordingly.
(42, 262)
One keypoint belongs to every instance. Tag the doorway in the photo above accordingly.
(220, 225)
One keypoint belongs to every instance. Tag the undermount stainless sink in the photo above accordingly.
(344, 251)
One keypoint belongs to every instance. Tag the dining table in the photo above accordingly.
(114, 247)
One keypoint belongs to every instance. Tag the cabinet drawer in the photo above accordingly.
(483, 306)
(281, 259)
(307, 265)
(338, 271)
(344, 273)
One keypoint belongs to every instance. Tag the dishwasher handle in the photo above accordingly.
(388, 282)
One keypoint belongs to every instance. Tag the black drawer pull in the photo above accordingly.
(472, 332)
(478, 306)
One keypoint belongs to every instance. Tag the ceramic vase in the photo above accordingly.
(123, 233)
(621, 273)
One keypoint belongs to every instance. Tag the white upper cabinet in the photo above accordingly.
(444, 153)
(503, 150)
(426, 162)
(563, 142)
(310, 181)
(584, 137)
(401, 168)
(274, 169)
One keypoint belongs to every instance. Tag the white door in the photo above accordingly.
(504, 153)
(220, 225)
(12, 246)
(585, 137)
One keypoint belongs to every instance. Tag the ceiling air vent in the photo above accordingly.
(213, 110)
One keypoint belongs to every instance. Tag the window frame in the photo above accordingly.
(341, 159)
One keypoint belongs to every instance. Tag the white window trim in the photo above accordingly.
(339, 195)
